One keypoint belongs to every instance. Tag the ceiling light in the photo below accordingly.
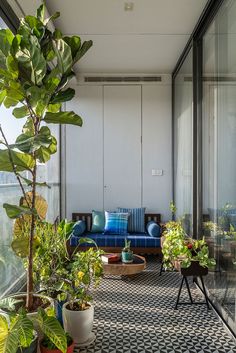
(129, 6)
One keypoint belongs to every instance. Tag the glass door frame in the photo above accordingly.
(195, 43)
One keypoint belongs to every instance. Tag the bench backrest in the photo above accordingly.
(87, 217)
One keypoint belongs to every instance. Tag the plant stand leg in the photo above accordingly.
(204, 292)
(189, 293)
(180, 288)
(161, 269)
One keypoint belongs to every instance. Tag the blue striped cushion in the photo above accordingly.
(117, 240)
(116, 223)
(136, 219)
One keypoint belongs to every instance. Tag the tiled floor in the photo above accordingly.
(137, 315)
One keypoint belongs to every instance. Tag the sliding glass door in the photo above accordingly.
(219, 151)
(183, 142)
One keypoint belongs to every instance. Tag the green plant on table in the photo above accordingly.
(36, 65)
(126, 248)
(17, 331)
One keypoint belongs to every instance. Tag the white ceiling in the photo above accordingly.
(148, 39)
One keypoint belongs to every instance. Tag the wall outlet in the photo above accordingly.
(157, 172)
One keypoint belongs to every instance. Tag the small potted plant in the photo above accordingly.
(78, 312)
(127, 254)
(47, 346)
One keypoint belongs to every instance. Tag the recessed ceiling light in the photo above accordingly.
(129, 6)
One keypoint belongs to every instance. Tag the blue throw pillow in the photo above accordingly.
(116, 223)
(153, 229)
(79, 228)
(136, 219)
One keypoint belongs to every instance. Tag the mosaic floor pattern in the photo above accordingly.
(136, 315)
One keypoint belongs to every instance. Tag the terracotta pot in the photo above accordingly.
(78, 324)
(70, 349)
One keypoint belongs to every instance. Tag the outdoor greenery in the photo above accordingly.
(36, 65)
(177, 246)
(19, 332)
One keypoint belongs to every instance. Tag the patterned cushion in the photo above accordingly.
(136, 219)
(98, 221)
(116, 223)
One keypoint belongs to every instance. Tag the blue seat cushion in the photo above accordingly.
(117, 240)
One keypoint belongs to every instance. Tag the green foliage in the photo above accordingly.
(173, 208)
(127, 245)
(36, 92)
(85, 273)
(69, 276)
(177, 246)
(17, 331)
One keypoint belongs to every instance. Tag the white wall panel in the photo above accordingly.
(122, 146)
(84, 152)
(156, 130)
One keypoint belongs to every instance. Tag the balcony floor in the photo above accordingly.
(137, 315)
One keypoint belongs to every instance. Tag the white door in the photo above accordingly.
(122, 147)
(84, 152)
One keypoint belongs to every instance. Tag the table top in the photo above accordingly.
(126, 269)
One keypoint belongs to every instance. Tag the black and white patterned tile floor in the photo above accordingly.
(137, 315)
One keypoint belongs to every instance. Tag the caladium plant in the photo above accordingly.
(36, 65)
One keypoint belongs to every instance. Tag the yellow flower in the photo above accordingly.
(80, 275)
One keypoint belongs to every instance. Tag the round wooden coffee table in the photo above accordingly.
(122, 269)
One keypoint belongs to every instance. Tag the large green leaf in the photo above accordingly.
(63, 53)
(14, 211)
(41, 12)
(32, 63)
(20, 112)
(12, 67)
(22, 161)
(6, 38)
(53, 17)
(63, 118)
(63, 96)
(9, 342)
(35, 25)
(83, 50)
(53, 330)
(30, 144)
(24, 328)
(74, 42)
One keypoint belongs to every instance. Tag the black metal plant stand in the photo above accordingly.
(185, 279)
(195, 270)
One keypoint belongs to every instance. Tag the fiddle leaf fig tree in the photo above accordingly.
(36, 65)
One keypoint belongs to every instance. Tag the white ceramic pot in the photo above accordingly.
(78, 324)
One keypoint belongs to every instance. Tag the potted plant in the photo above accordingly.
(188, 255)
(35, 67)
(127, 254)
(17, 332)
(47, 346)
(78, 311)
